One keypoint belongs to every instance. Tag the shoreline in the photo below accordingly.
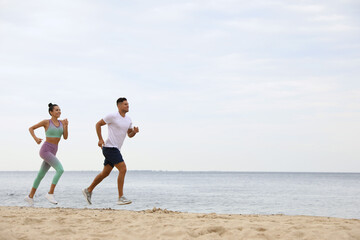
(72, 223)
(156, 209)
(196, 171)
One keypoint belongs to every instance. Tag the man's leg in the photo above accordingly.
(121, 178)
(105, 172)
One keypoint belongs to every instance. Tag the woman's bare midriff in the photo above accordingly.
(53, 140)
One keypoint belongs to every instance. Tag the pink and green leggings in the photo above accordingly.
(48, 153)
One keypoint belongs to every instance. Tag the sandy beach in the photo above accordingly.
(63, 223)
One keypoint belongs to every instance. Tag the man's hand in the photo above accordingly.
(132, 132)
(136, 130)
(101, 143)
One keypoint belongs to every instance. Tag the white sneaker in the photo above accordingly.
(123, 200)
(51, 198)
(87, 195)
(29, 201)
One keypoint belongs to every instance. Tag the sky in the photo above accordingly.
(263, 85)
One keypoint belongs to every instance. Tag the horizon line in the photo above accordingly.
(199, 171)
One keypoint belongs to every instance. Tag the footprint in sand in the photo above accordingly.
(204, 231)
(261, 229)
(29, 220)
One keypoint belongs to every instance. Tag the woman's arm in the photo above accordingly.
(65, 123)
(32, 128)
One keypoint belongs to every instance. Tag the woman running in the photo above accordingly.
(54, 128)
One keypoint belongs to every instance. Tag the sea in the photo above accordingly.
(288, 193)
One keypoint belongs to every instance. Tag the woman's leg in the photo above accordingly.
(43, 170)
(55, 163)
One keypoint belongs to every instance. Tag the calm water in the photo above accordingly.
(319, 194)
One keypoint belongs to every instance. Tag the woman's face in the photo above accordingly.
(56, 112)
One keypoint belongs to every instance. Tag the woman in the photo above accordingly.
(54, 128)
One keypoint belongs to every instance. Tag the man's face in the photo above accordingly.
(123, 106)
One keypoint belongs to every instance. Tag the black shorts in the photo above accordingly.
(112, 156)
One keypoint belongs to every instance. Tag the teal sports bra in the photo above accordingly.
(54, 131)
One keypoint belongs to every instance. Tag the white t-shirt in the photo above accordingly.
(117, 129)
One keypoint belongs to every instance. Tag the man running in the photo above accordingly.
(118, 126)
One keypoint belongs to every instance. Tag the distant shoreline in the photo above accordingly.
(181, 171)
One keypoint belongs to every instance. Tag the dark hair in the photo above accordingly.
(120, 100)
(51, 107)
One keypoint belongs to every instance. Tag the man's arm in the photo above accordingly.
(98, 132)
(132, 132)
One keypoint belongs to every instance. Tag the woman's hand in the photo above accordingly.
(38, 140)
(65, 122)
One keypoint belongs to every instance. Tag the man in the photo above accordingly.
(118, 126)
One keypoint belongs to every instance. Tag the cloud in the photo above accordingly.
(309, 8)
